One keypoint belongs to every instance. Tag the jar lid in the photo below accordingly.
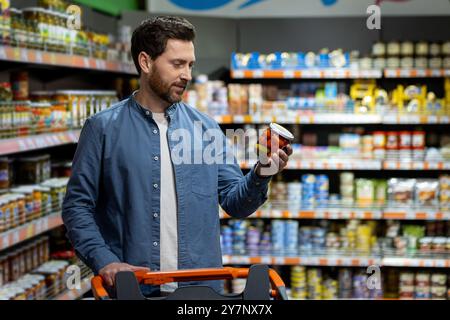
(282, 131)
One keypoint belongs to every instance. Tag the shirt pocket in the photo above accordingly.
(204, 179)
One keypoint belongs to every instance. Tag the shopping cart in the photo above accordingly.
(262, 283)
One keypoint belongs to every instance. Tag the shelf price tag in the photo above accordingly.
(86, 62)
(3, 54)
(258, 74)
(288, 74)
(39, 58)
(15, 237)
(5, 241)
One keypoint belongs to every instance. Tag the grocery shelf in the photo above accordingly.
(415, 73)
(358, 164)
(74, 294)
(337, 261)
(395, 118)
(302, 260)
(29, 230)
(416, 262)
(316, 73)
(24, 55)
(323, 164)
(307, 118)
(334, 118)
(415, 165)
(40, 141)
(334, 73)
(351, 213)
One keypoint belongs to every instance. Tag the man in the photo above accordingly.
(129, 206)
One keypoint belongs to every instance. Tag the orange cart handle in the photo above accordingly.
(162, 277)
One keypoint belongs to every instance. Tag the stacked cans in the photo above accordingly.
(406, 285)
(226, 239)
(330, 289)
(264, 245)
(438, 286)
(284, 236)
(314, 276)
(322, 190)
(347, 187)
(360, 289)
(422, 288)
(277, 233)
(312, 238)
(294, 195)
(253, 240)
(345, 283)
(308, 189)
(291, 237)
(239, 236)
(298, 283)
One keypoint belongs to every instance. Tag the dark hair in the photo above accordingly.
(152, 35)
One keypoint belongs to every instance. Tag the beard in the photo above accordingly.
(168, 92)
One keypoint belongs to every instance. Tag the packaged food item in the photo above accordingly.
(426, 192)
(4, 173)
(392, 144)
(29, 170)
(364, 191)
(19, 81)
(380, 192)
(401, 191)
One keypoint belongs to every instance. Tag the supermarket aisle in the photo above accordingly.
(362, 210)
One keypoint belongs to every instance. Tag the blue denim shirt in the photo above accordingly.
(112, 205)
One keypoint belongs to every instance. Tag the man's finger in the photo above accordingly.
(283, 155)
(108, 279)
(288, 149)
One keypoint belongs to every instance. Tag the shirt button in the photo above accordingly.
(155, 215)
(155, 131)
(249, 200)
(155, 244)
(155, 186)
(155, 158)
(147, 112)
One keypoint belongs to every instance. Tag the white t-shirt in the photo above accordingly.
(168, 206)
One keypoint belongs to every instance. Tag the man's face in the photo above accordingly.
(171, 71)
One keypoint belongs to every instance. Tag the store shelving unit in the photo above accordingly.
(317, 73)
(358, 164)
(39, 57)
(328, 260)
(74, 294)
(57, 64)
(387, 167)
(35, 142)
(384, 213)
(335, 118)
(30, 230)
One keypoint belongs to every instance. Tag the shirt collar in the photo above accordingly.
(170, 111)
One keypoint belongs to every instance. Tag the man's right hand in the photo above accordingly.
(108, 272)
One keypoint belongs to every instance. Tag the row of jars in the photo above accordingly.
(26, 203)
(45, 282)
(44, 29)
(51, 111)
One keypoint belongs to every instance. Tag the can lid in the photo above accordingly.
(281, 131)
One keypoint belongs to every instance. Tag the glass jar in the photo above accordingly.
(4, 173)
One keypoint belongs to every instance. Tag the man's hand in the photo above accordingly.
(275, 163)
(108, 272)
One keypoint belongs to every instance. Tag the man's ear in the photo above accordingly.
(145, 62)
